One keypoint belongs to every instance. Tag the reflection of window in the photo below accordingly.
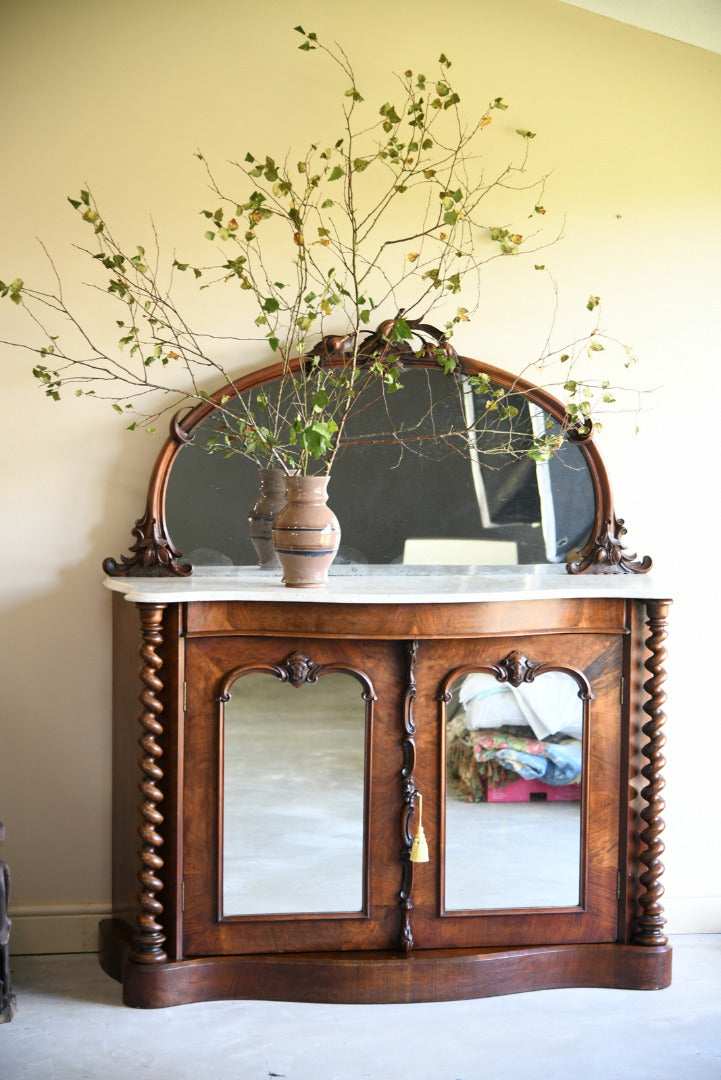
(418, 486)
(506, 489)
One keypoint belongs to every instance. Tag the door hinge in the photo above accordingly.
(185, 696)
(182, 895)
(618, 884)
(623, 689)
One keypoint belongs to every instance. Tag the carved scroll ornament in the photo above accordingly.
(607, 555)
(409, 795)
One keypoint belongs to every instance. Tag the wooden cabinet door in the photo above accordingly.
(291, 794)
(508, 872)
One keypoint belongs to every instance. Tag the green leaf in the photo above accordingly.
(336, 173)
(388, 111)
(401, 330)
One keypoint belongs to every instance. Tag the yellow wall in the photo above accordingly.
(119, 96)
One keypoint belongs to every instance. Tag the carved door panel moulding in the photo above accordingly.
(409, 795)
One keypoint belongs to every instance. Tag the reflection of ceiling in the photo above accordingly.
(695, 22)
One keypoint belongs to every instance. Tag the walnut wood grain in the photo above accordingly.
(384, 976)
(405, 621)
(409, 796)
(149, 938)
(402, 945)
(595, 662)
(648, 930)
(212, 666)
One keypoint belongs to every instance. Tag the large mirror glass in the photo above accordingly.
(294, 796)
(513, 793)
(438, 502)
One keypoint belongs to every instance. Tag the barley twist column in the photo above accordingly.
(648, 928)
(147, 946)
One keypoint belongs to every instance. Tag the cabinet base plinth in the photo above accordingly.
(368, 978)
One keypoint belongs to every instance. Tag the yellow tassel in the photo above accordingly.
(419, 848)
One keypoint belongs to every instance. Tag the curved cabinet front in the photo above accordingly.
(308, 751)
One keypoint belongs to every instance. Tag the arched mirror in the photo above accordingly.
(433, 498)
(414, 496)
(514, 754)
(294, 794)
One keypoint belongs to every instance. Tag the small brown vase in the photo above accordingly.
(262, 515)
(306, 533)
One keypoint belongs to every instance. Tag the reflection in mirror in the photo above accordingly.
(294, 795)
(513, 793)
(421, 487)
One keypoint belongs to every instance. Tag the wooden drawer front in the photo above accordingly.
(403, 621)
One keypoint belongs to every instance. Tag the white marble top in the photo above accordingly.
(391, 584)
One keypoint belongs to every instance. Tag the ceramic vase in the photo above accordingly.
(306, 533)
(262, 515)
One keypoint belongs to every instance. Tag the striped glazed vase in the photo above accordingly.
(306, 533)
(262, 515)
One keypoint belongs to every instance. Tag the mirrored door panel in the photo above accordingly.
(520, 789)
(294, 763)
(514, 790)
(291, 794)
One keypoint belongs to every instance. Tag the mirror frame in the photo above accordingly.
(154, 554)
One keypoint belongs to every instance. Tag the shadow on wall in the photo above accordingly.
(55, 670)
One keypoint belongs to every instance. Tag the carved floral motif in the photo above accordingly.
(152, 554)
(409, 794)
(607, 554)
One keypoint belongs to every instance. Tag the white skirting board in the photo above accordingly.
(41, 931)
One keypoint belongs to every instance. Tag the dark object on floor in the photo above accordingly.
(8, 1002)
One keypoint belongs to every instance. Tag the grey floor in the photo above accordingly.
(71, 1024)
